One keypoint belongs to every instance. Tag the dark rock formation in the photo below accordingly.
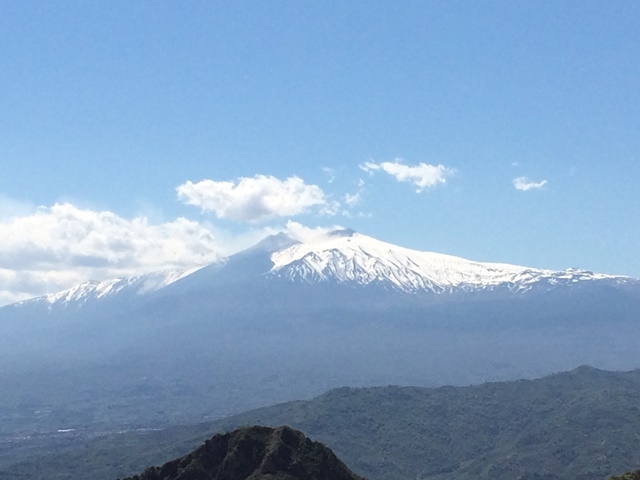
(628, 476)
(255, 453)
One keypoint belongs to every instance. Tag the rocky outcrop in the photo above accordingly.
(255, 453)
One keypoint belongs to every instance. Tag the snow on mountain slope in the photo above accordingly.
(93, 290)
(347, 256)
(341, 256)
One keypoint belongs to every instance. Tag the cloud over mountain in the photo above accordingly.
(55, 247)
(255, 199)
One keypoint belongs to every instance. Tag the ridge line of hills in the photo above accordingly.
(576, 425)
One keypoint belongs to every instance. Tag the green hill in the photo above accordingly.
(583, 424)
(628, 476)
(254, 453)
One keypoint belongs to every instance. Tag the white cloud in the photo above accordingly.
(348, 214)
(304, 234)
(523, 184)
(422, 175)
(53, 248)
(49, 249)
(352, 199)
(255, 199)
(331, 208)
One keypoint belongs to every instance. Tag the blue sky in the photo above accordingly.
(144, 135)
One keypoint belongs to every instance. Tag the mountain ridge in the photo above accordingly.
(346, 256)
(580, 424)
(343, 257)
(93, 290)
(255, 453)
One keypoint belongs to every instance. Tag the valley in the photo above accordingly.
(115, 372)
(580, 424)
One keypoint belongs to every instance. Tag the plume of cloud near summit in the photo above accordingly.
(421, 176)
(524, 184)
(255, 199)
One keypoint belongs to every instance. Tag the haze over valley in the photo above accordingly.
(286, 319)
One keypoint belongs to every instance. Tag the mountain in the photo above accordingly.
(345, 256)
(627, 476)
(92, 292)
(339, 257)
(290, 319)
(255, 453)
(582, 424)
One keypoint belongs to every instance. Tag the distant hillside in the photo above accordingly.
(255, 453)
(582, 424)
(628, 476)
(578, 425)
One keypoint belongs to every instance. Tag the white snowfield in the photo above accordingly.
(93, 290)
(346, 256)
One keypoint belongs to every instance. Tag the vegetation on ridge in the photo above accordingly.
(628, 476)
(254, 453)
(578, 425)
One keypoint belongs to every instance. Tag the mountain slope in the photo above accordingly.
(255, 453)
(346, 256)
(250, 331)
(341, 257)
(627, 476)
(581, 424)
(91, 292)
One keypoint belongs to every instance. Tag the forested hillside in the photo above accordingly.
(581, 424)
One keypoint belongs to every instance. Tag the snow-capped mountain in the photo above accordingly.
(288, 318)
(341, 257)
(346, 256)
(92, 291)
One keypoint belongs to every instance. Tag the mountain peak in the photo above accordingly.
(342, 232)
(273, 243)
(341, 256)
(257, 453)
(344, 256)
